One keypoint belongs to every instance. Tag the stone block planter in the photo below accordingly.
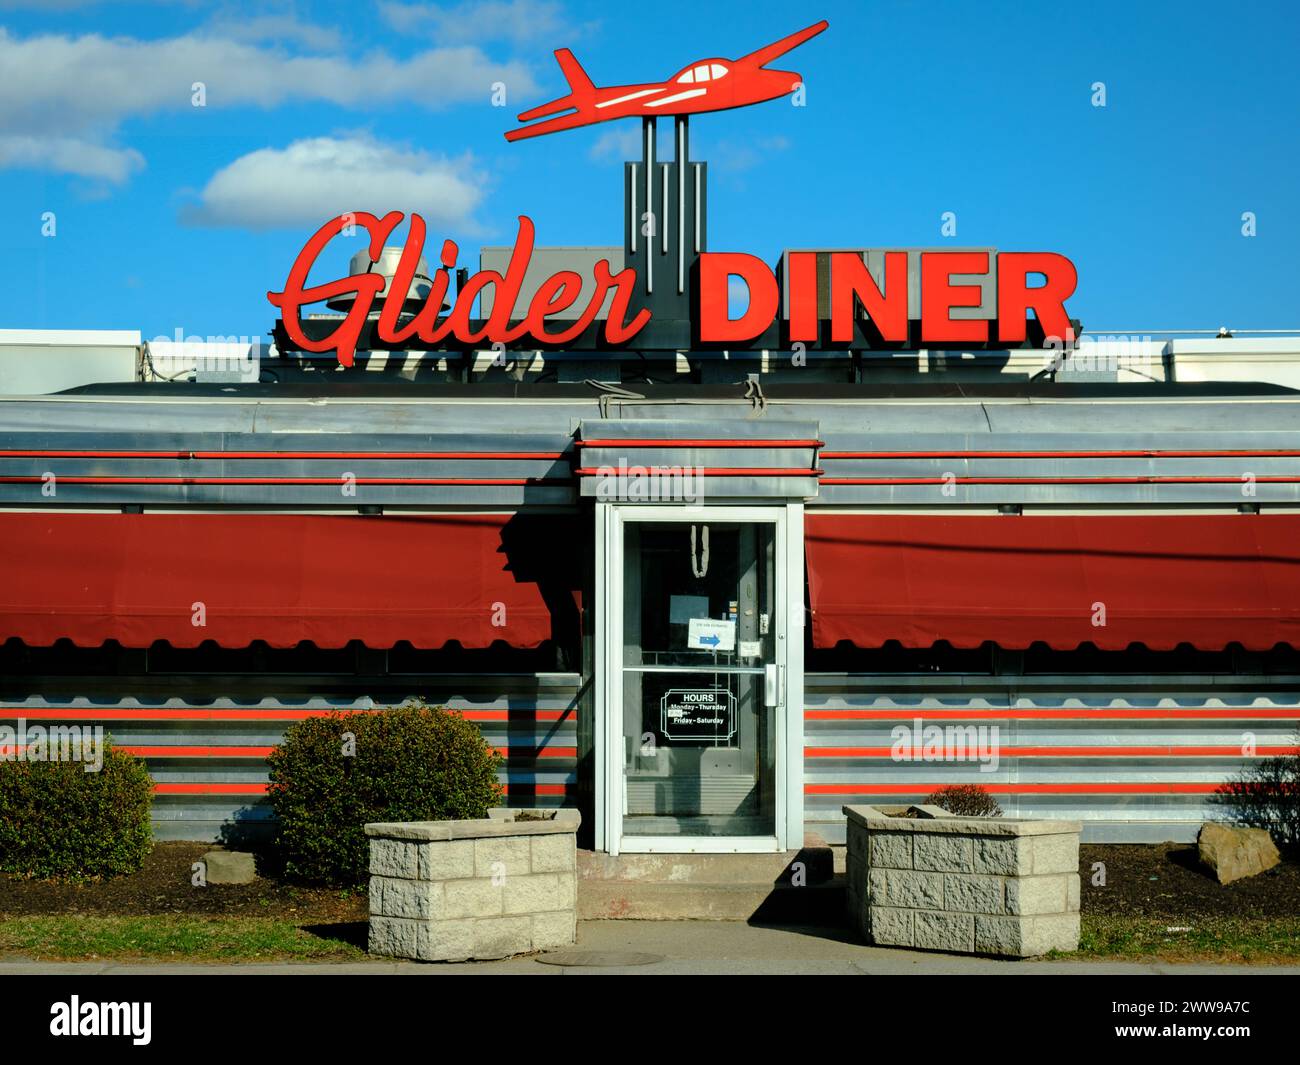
(921, 877)
(490, 888)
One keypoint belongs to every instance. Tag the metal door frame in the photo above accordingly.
(611, 520)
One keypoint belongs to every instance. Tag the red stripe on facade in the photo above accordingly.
(1018, 789)
(178, 751)
(210, 751)
(1229, 713)
(1161, 751)
(496, 456)
(508, 715)
(1152, 453)
(680, 471)
(189, 788)
(72, 713)
(1055, 480)
(1234, 713)
(67, 713)
(295, 480)
(542, 752)
(536, 751)
(710, 443)
(193, 788)
(487, 456)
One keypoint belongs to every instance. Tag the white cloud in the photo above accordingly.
(283, 29)
(520, 21)
(621, 141)
(316, 179)
(73, 83)
(57, 88)
(70, 155)
(736, 156)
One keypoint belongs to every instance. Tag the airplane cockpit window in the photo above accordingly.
(703, 72)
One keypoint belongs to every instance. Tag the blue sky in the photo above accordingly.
(170, 216)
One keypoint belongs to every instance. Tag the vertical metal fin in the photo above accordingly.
(663, 222)
(699, 210)
(632, 201)
(681, 203)
(648, 125)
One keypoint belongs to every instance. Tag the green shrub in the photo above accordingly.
(57, 820)
(965, 800)
(1266, 794)
(410, 763)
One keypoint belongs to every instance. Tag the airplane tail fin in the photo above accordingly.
(769, 52)
(579, 83)
(581, 88)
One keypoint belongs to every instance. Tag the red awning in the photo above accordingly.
(1204, 580)
(285, 578)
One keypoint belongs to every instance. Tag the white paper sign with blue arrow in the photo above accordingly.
(706, 634)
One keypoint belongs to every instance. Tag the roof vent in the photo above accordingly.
(361, 263)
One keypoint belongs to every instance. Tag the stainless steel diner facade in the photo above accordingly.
(703, 505)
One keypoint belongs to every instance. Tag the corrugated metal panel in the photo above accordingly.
(207, 758)
(657, 460)
(1204, 463)
(1135, 758)
(505, 468)
(903, 452)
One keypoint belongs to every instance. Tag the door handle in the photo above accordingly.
(771, 684)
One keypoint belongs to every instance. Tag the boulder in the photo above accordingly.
(1233, 852)
(229, 867)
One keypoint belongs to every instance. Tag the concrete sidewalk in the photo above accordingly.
(679, 948)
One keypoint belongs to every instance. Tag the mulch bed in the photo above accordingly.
(163, 887)
(1161, 880)
(1166, 880)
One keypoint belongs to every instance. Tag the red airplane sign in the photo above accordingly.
(706, 85)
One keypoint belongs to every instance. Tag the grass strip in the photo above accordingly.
(171, 937)
(1255, 940)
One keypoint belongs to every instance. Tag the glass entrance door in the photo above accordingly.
(702, 648)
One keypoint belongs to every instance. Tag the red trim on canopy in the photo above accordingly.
(1164, 580)
(285, 578)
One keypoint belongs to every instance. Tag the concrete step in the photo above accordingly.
(797, 887)
(763, 903)
(815, 864)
